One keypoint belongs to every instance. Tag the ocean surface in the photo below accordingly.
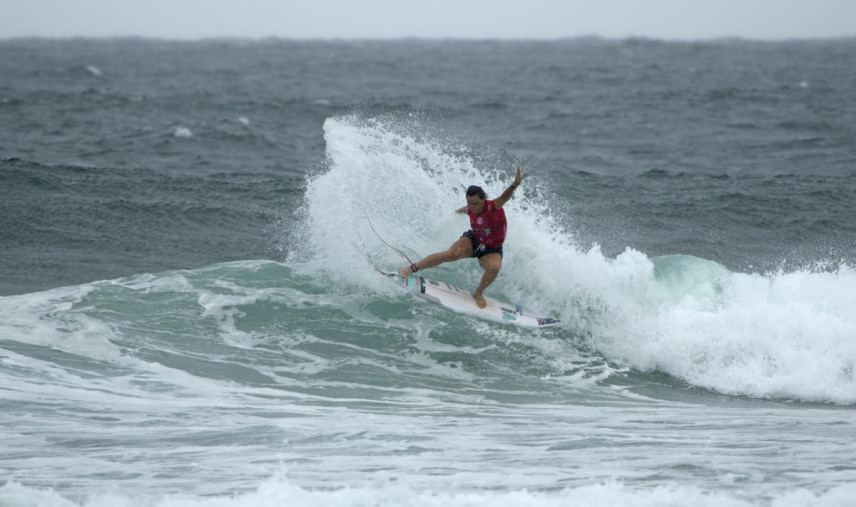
(190, 313)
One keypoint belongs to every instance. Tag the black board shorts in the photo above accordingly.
(479, 250)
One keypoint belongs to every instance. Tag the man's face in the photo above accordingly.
(475, 204)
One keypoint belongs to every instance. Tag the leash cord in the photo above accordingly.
(412, 265)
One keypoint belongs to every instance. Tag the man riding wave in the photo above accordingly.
(483, 241)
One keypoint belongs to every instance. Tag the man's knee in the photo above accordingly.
(492, 262)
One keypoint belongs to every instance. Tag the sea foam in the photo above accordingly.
(278, 491)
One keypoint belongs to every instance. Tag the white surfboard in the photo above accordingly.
(462, 301)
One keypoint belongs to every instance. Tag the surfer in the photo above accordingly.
(483, 241)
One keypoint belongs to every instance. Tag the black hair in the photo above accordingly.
(476, 190)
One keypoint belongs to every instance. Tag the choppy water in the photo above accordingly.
(191, 315)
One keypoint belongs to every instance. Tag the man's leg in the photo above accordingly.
(460, 249)
(491, 263)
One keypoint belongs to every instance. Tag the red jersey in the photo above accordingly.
(489, 226)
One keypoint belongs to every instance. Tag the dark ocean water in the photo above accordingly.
(188, 305)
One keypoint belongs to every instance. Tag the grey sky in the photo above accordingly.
(192, 19)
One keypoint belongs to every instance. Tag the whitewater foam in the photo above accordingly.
(279, 491)
(779, 335)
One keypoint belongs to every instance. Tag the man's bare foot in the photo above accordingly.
(404, 272)
(479, 300)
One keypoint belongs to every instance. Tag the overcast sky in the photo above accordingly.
(193, 19)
